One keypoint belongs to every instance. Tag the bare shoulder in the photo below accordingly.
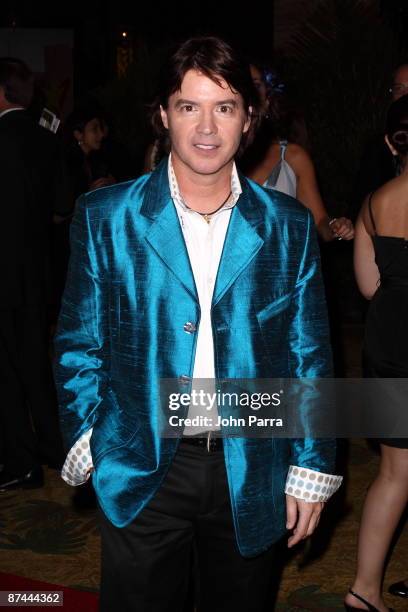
(391, 193)
(297, 156)
(387, 206)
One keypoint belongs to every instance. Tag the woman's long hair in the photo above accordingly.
(280, 121)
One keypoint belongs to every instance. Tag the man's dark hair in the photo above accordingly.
(17, 80)
(217, 60)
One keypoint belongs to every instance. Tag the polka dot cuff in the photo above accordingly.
(311, 486)
(77, 466)
(302, 483)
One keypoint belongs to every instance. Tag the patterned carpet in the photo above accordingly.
(42, 537)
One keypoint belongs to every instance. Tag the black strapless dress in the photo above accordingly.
(385, 352)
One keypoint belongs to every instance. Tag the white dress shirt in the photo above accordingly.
(204, 242)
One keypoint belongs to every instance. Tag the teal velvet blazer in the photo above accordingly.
(129, 292)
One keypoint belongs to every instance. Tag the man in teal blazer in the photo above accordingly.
(192, 271)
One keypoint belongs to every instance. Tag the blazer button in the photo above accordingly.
(189, 327)
(184, 379)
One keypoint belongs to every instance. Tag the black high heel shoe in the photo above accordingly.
(370, 607)
(400, 589)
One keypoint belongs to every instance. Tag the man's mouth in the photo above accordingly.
(206, 147)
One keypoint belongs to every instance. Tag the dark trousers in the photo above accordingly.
(146, 565)
(28, 407)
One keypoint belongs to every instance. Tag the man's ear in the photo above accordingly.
(389, 145)
(248, 120)
(164, 119)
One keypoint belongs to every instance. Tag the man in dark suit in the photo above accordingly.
(30, 172)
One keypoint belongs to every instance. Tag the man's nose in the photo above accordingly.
(207, 124)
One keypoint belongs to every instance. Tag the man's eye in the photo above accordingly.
(187, 107)
(224, 108)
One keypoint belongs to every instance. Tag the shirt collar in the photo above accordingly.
(236, 188)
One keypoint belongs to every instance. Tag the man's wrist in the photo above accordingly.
(310, 485)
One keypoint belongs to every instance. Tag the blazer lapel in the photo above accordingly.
(242, 241)
(165, 235)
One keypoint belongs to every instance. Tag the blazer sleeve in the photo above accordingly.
(310, 352)
(81, 343)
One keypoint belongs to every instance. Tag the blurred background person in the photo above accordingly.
(276, 162)
(32, 190)
(378, 165)
(88, 167)
(381, 268)
(94, 159)
(84, 133)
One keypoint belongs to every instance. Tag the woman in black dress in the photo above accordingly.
(381, 268)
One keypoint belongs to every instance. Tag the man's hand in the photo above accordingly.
(303, 517)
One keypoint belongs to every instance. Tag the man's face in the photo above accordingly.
(400, 84)
(205, 122)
